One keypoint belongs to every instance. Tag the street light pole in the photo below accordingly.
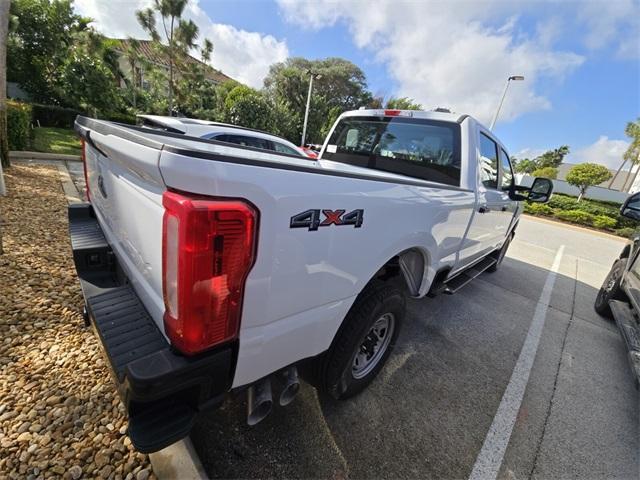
(306, 112)
(504, 94)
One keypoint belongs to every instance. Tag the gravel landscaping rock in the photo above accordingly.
(60, 415)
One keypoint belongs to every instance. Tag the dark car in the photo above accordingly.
(619, 296)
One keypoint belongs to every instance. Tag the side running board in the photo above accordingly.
(454, 284)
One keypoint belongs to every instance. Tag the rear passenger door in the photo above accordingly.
(490, 221)
(510, 207)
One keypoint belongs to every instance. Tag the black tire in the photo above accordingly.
(501, 253)
(611, 289)
(335, 373)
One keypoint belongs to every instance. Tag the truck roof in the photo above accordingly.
(438, 114)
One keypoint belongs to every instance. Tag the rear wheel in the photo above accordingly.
(363, 343)
(611, 289)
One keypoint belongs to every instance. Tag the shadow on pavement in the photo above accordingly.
(427, 413)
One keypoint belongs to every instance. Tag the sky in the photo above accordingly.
(580, 59)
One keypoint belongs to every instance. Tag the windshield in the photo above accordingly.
(425, 149)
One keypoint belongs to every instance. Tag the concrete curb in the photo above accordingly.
(14, 155)
(70, 190)
(572, 226)
(178, 461)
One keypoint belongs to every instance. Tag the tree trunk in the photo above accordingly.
(617, 173)
(4, 31)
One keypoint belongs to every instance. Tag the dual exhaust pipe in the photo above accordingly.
(260, 398)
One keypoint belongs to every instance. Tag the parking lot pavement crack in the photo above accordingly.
(557, 375)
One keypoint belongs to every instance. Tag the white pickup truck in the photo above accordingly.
(210, 268)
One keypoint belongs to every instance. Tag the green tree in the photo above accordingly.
(585, 175)
(179, 36)
(249, 108)
(525, 165)
(341, 86)
(552, 158)
(545, 172)
(39, 46)
(403, 103)
(632, 154)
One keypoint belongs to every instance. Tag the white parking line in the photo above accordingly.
(495, 444)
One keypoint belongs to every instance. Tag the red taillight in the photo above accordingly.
(208, 249)
(392, 113)
(84, 167)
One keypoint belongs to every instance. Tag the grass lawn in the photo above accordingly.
(56, 140)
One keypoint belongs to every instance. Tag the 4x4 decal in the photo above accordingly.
(311, 219)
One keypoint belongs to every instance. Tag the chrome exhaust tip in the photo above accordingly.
(291, 386)
(259, 401)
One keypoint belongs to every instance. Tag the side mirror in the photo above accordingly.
(631, 207)
(541, 190)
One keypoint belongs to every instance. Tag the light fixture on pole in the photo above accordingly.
(312, 75)
(517, 78)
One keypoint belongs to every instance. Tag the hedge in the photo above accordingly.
(577, 216)
(54, 116)
(18, 125)
(591, 213)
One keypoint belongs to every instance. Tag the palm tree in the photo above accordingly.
(134, 62)
(633, 152)
(179, 35)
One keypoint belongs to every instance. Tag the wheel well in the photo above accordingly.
(408, 266)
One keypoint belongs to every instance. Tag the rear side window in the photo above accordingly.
(425, 149)
(507, 172)
(279, 147)
(245, 140)
(488, 162)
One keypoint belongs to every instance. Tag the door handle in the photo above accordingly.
(484, 209)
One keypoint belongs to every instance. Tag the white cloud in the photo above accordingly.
(449, 53)
(616, 22)
(245, 56)
(604, 151)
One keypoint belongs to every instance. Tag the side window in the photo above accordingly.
(245, 141)
(279, 147)
(488, 162)
(507, 171)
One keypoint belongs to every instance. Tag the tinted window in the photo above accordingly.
(488, 162)
(507, 172)
(424, 149)
(244, 140)
(284, 149)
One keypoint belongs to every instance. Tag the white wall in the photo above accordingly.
(594, 193)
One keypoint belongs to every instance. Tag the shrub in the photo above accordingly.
(576, 216)
(626, 232)
(538, 209)
(545, 172)
(18, 125)
(601, 221)
(54, 116)
(122, 118)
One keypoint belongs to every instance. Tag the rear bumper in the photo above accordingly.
(162, 390)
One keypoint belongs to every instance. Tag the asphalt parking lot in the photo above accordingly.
(429, 413)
